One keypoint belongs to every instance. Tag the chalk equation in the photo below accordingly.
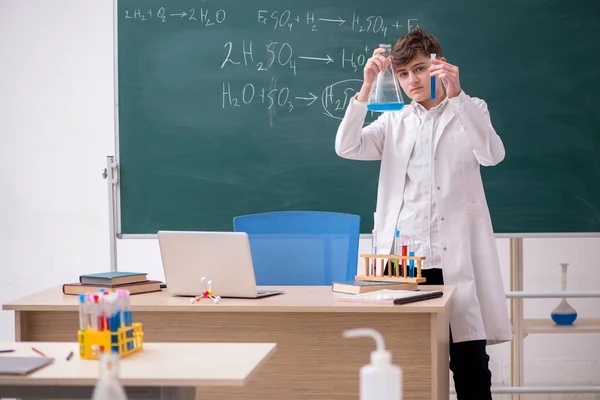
(262, 57)
(281, 54)
(270, 97)
(334, 98)
(203, 16)
(285, 19)
(280, 19)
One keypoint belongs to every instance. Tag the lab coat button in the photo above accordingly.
(442, 218)
(444, 248)
(438, 188)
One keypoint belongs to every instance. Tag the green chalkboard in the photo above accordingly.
(231, 107)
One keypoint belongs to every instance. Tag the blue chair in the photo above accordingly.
(301, 247)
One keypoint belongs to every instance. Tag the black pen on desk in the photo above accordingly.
(7, 351)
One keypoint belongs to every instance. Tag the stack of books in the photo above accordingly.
(134, 282)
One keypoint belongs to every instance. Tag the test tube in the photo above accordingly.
(120, 314)
(94, 311)
(397, 251)
(99, 298)
(373, 260)
(82, 324)
(404, 253)
(432, 86)
(113, 324)
(128, 318)
(411, 252)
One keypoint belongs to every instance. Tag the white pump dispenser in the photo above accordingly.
(380, 380)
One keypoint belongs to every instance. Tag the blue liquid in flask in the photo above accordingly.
(385, 106)
(564, 319)
(564, 314)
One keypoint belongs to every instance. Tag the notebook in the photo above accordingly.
(395, 297)
(133, 288)
(22, 365)
(113, 278)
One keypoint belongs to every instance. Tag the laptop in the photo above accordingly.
(221, 257)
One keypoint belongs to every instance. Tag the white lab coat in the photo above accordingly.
(464, 140)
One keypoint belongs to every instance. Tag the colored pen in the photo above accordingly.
(7, 351)
(433, 80)
(39, 352)
(69, 356)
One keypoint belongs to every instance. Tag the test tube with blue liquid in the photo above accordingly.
(433, 81)
(126, 317)
(411, 252)
(113, 320)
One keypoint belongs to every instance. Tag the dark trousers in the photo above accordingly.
(468, 360)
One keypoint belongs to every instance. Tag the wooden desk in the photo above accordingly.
(166, 371)
(313, 360)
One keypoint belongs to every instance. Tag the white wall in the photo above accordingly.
(56, 129)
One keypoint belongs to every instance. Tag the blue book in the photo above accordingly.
(113, 278)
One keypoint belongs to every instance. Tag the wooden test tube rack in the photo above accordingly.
(380, 277)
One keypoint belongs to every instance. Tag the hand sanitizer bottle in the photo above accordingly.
(380, 380)
(108, 386)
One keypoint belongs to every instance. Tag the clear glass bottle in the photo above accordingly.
(564, 314)
(385, 94)
(108, 386)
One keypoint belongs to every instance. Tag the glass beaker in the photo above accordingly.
(385, 93)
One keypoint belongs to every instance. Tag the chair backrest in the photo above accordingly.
(301, 247)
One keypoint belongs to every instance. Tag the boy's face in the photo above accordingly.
(414, 78)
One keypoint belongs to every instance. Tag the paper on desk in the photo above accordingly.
(379, 296)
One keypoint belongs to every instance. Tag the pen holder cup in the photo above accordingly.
(125, 341)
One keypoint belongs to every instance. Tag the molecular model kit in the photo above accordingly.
(207, 293)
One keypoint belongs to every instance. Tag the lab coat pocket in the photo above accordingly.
(480, 232)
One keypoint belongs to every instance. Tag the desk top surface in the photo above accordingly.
(158, 364)
(295, 299)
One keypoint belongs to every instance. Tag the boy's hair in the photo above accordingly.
(414, 43)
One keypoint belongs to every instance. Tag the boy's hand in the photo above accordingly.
(374, 65)
(448, 74)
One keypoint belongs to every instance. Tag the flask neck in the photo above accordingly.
(109, 366)
(387, 48)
